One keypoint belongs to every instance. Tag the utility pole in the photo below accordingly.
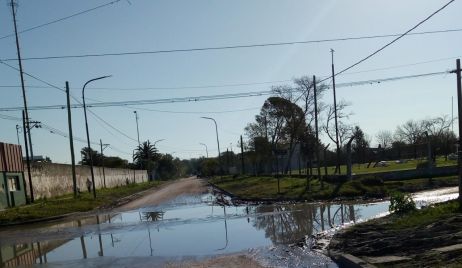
(102, 160)
(21, 73)
(335, 113)
(17, 133)
(318, 164)
(137, 129)
(242, 157)
(459, 109)
(31, 189)
(452, 113)
(227, 160)
(71, 140)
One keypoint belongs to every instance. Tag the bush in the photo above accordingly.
(371, 181)
(424, 165)
(401, 203)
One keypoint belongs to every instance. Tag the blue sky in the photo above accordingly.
(161, 25)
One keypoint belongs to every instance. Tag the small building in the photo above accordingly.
(12, 183)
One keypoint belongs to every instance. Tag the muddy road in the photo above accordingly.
(186, 186)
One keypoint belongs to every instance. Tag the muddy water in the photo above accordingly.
(193, 228)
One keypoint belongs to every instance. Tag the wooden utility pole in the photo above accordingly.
(21, 74)
(71, 140)
(337, 168)
(242, 157)
(31, 189)
(459, 109)
(318, 162)
(102, 162)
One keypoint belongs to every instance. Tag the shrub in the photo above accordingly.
(401, 203)
(424, 164)
(371, 181)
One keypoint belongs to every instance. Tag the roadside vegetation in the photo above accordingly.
(256, 188)
(385, 166)
(51, 207)
(426, 216)
(429, 235)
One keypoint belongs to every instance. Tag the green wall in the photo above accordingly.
(19, 196)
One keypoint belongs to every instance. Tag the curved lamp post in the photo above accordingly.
(88, 135)
(206, 149)
(157, 142)
(218, 141)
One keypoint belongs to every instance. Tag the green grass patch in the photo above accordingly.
(425, 216)
(296, 188)
(391, 166)
(49, 207)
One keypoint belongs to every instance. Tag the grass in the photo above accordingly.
(392, 166)
(296, 188)
(44, 208)
(425, 216)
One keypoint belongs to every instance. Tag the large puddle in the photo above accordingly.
(192, 228)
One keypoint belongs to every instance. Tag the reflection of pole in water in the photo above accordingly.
(82, 242)
(149, 235)
(352, 213)
(247, 213)
(341, 213)
(101, 252)
(226, 229)
(321, 213)
(112, 237)
(328, 216)
(39, 251)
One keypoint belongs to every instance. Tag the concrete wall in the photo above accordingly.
(56, 179)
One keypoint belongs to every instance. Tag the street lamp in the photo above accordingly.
(17, 133)
(218, 141)
(86, 127)
(137, 129)
(206, 149)
(157, 142)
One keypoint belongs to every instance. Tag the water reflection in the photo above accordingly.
(198, 229)
(288, 223)
(153, 216)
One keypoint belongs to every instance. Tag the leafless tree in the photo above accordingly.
(384, 138)
(345, 131)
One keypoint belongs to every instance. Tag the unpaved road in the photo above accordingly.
(169, 191)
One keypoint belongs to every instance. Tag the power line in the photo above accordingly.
(111, 126)
(214, 97)
(33, 77)
(60, 19)
(184, 112)
(232, 84)
(61, 133)
(217, 48)
(66, 135)
(9, 117)
(408, 32)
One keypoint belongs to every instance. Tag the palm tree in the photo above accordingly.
(85, 152)
(146, 155)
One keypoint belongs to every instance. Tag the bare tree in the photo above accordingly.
(384, 138)
(437, 126)
(345, 131)
(410, 132)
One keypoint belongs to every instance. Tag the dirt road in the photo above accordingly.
(167, 192)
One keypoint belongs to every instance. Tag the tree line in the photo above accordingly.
(285, 125)
(146, 156)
